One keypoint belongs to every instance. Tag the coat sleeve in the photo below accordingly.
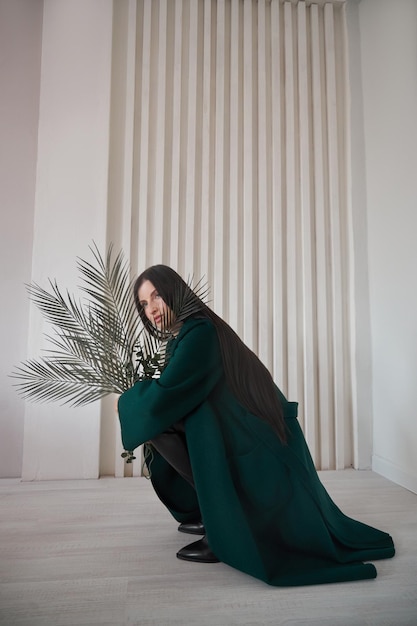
(194, 369)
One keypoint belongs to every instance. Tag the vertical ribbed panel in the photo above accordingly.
(173, 191)
(143, 146)
(323, 295)
(278, 287)
(220, 214)
(308, 297)
(250, 303)
(233, 201)
(202, 265)
(338, 233)
(192, 234)
(156, 216)
(235, 172)
(264, 206)
(291, 208)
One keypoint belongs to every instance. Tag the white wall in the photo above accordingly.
(70, 208)
(69, 171)
(388, 39)
(54, 133)
(20, 58)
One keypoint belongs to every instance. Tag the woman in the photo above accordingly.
(230, 461)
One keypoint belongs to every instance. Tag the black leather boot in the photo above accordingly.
(193, 528)
(199, 552)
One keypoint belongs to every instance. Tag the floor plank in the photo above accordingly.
(78, 553)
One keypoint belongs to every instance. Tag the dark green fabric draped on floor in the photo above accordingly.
(265, 510)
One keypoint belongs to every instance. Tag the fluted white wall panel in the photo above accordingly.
(307, 242)
(234, 198)
(278, 336)
(173, 194)
(234, 167)
(264, 207)
(218, 198)
(248, 215)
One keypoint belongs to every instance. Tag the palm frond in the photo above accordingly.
(92, 350)
(65, 314)
(187, 300)
(99, 345)
(191, 300)
(49, 380)
(109, 287)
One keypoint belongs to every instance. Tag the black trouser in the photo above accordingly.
(172, 445)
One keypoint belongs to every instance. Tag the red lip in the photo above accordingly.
(157, 319)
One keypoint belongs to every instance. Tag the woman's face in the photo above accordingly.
(153, 306)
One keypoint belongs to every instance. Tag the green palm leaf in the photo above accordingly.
(62, 379)
(94, 347)
(99, 345)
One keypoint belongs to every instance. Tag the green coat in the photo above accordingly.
(265, 510)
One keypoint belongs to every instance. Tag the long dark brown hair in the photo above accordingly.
(247, 377)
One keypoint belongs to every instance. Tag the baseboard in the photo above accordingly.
(394, 473)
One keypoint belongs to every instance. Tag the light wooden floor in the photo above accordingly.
(78, 553)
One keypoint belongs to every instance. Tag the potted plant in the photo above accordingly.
(99, 345)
